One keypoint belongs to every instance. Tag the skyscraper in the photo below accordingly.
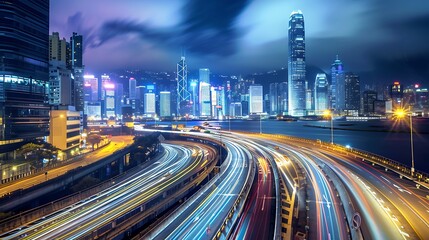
(149, 103)
(396, 94)
(205, 95)
(296, 65)
(321, 94)
(337, 86)
(205, 103)
(255, 99)
(132, 88)
(182, 85)
(60, 81)
(283, 97)
(369, 98)
(165, 101)
(76, 50)
(58, 48)
(274, 99)
(204, 75)
(24, 76)
(352, 94)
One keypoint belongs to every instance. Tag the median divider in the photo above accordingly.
(236, 210)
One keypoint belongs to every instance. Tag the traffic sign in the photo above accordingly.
(356, 220)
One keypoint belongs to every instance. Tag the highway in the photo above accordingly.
(327, 216)
(256, 221)
(391, 208)
(117, 143)
(99, 210)
(204, 213)
(400, 202)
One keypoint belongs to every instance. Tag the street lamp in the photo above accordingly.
(229, 123)
(401, 114)
(328, 113)
(260, 123)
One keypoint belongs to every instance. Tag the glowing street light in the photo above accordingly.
(400, 114)
(328, 113)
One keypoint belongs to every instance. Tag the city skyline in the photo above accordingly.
(248, 32)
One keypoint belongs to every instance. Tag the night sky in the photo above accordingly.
(381, 39)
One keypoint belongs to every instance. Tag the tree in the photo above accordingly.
(37, 150)
(93, 139)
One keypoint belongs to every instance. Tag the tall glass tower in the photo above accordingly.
(338, 97)
(321, 93)
(24, 72)
(296, 65)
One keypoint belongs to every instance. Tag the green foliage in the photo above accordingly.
(93, 139)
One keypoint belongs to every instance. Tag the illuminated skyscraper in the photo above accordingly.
(109, 99)
(204, 75)
(205, 99)
(183, 95)
(24, 75)
(352, 94)
(76, 45)
(132, 88)
(274, 98)
(396, 94)
(321, 94)
(194, 90)
(255, 99)
(296, 65)
(205, 95)
(337, 86)
(149, 103)
(165, 104)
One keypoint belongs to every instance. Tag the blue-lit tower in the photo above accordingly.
(338, 92)
(296, 65)
(183, 96)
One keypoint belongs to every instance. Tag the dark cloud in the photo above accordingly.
(208, 28)
(119, 28)
(76, 23)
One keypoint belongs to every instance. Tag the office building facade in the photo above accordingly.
(165, 104)
(337, 86)
(352, 94)
(256, 105)
(24, 72)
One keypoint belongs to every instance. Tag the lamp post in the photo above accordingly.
(260, 123)
(229, 123)
(401, 114)
(328, 113)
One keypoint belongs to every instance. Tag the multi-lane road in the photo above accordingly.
(203, 215)
(117, 142)
(324, 186)
(90, 216)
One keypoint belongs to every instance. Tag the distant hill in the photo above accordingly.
(281, 75)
